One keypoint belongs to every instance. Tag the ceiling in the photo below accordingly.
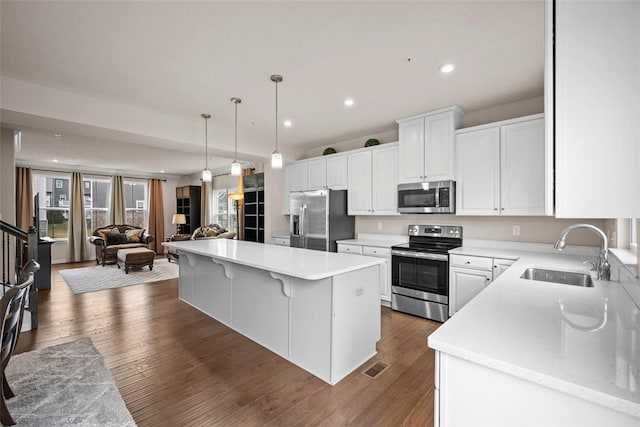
(137, 75)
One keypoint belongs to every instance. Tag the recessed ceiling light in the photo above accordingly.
(447, 68)
(57, 135)
(287, 123)
(162, 171)
(349, 102)
(55, 160)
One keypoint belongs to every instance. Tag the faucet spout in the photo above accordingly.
(603, 268)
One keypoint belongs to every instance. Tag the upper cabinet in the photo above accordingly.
(501, 168)
(372, 181)
(597, 107)
(426, 150)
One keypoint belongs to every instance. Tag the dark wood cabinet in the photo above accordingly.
(254, 207)
(188, 203)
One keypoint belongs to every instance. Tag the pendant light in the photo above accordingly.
(206, 173)
(236, 167)
(276, 156)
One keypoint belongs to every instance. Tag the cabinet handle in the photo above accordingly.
(487, 279)
(501, 209)
(495, 209)
(468, 262)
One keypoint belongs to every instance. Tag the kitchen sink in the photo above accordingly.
(556, 276)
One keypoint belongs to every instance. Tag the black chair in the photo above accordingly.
(12, 309)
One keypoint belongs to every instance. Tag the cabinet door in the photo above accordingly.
(597, 105)
(384, 188)
(299, 177)
(316, 174)
(464, 285)
(411, 151)
(359, 183)
(337, 172)
(478, 172)
(439, 152)
(522, 168)
(385, 280)
(499, 266)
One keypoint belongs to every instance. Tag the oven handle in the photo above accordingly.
(424, 255)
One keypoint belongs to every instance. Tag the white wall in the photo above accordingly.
(7, 177)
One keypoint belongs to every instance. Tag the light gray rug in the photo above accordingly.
(97, 278)
(63, 385)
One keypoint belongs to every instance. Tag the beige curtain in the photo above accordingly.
(117, 210)
(77, 224)
(156, 215)
(205, 204)
(24, 198)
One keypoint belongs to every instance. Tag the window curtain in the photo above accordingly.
(205, 204)
(77, 224)
(24, 198)
(156, 215)
(117, 209)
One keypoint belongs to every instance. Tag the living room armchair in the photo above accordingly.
(110, 238)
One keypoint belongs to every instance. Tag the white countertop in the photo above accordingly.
(376, 240)
(581, 341)
(303, 263)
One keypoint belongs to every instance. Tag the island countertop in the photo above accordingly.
(581, 341)
(296, 262)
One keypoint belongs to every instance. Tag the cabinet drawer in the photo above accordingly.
(280, 241)
(350, 249)
(376, 251)
(480, 263)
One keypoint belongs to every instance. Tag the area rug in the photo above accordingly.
(89, 279)
(62, 385)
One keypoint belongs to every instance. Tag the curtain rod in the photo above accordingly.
(95, 174)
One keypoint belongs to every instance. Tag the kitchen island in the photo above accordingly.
(319, 310)
(527, 352)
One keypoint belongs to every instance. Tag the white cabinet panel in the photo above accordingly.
(426, 146)
(295, 179)
(501, 168)
(464, 285)
(349, 249)
(500, 265)
(280, 241)
(337, 172)
(372, 183)
(597, 105)
(478, 179)
(316, 174)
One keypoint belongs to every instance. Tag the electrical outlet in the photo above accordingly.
(516, 230)
(379, 226)
(359, 291)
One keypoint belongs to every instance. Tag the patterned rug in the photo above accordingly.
(89, 279)
(62, 385)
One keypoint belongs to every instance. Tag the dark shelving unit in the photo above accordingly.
(254, 207)
(188, 203)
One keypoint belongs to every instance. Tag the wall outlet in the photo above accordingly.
(379, 226)
(516, 230)
(359, 291)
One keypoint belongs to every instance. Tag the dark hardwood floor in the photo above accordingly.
(176, 366)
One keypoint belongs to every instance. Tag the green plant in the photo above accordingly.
(371, 142)
(329, 150)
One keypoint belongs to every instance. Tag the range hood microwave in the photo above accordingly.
(427, 197)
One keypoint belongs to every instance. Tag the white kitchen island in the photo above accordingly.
(319, 310)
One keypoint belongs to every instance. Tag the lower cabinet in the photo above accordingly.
(468, 275)
(280, 241)
(385, 269)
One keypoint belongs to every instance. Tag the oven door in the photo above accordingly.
(420, 275)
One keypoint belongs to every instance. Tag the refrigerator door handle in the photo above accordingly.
(303, 224)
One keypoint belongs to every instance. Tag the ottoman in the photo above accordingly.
(135, 257)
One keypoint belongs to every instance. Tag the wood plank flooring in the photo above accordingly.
(176, 366)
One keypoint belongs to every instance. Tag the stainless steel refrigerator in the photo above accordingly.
(319, 218)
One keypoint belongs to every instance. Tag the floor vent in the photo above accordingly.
(376, 370)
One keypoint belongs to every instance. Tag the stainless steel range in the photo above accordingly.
(420, 271)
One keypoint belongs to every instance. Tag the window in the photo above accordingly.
(54, 207)
(135, 196)
(224, 209)
(96, 203)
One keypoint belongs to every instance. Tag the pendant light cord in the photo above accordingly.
(276, 116)
(236, 141)
(206, 144)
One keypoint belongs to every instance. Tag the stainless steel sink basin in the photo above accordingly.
(555, 276)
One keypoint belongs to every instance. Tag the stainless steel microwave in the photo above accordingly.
(427, 197)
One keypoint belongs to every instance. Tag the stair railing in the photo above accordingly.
(18, 250)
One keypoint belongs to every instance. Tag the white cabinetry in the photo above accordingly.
(280, 241)
(501, 168)
(329, 172)
(468, 275)
(372, 181)
(385, 269)
(426, 146)
(597, 106)
(295, 179)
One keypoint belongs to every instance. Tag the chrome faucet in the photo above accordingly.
(602, 268)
